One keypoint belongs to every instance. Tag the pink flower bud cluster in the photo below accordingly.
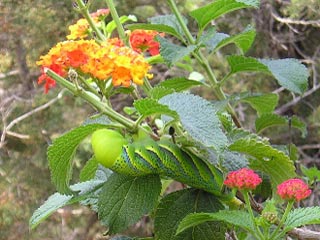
(293, 189)
(243, 179)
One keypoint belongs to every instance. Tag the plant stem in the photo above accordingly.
(128, 123)
(284, 217)
(116, 19)
(204, 63)
(184, 27)
(88, 86)
(84, 10)
(248, 205)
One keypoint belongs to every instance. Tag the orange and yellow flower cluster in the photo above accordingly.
(80, 29)
(105, 61)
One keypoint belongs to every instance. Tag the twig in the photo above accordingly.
(286, 106)
(315, 23)
(26, 115)
(11, 73)
(304, 234)
(310, 146)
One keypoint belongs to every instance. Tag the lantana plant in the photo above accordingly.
(170, 134)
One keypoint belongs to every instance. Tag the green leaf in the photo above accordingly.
(89, 170)
(147, 107)
(270, 120)
(242, 64)
(302, 216)
(263, 103)
(57, 200)
(312, 173)
(242, 40)
(226, 160)
(53, 203)
(157, 27)
(290, 73)
(206, 14)
(179, 84)
(236, 218)
(172, 53)
(198, 117)
(158, 92)
(61, 152)
(125, 199)
(175, 206)
(169, 21)
(111, 26)
(267, 159)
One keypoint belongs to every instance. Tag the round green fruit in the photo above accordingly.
(107, 146)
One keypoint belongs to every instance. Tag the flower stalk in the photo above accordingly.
(128, 123)
(85, 12)
(116, 19)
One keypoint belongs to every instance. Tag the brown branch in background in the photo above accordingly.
(288, 105)
(24, 116)
(305, 234)
(315, 23)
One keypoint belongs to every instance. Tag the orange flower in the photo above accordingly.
(102, 62)
(143, 40)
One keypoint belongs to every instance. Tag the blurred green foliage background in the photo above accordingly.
(28, 123)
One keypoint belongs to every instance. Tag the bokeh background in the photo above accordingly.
(30, 119)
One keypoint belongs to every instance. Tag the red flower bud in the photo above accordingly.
(293, 189)
(243, 179)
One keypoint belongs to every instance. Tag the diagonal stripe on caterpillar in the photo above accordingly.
(167, 159)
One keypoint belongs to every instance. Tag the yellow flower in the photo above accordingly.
(105, 61)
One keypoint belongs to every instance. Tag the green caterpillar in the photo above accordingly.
(164, 158)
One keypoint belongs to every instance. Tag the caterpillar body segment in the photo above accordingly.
(167, 159)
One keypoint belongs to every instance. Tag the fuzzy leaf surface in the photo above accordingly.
(289, 73)
(175, 206)
(125, 199)
(61, 152)
(198, 117)
(173, 53)
(302, 216)
(148, 106)
(57, 200)
(169, 21)
(242, 40)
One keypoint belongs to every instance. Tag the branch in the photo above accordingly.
(11, 73)
(286, 106)
(310, 146)
(26, 115)
(304, 234)
(315, 23)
